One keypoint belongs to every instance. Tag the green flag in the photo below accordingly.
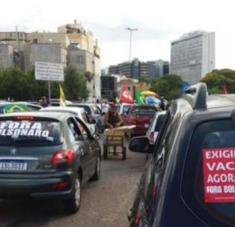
(139, 97)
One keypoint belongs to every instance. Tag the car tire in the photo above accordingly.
(105, 152)
(96, 175)
(124, 153)
(72, 204)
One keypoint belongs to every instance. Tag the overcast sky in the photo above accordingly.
(159, 22)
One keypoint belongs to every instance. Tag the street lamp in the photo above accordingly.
(131, 30)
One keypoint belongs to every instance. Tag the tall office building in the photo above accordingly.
(193, 56)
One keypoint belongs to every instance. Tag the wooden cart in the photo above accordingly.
(116, 138)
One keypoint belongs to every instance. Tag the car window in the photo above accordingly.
(143, 110)
(126, 109)
(86, 108)
(83, 128)
(30, 132)
(159, 122)
(74, 129)
(85, 117)
(209, 175)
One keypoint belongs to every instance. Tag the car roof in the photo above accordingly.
(219, 101)
(197, 101)
(67, 109)
(54, 115)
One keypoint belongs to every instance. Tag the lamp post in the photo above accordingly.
(131, 30)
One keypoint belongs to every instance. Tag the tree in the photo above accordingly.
(219, 78)
(167, 86)
(13, 84)
(75, 84)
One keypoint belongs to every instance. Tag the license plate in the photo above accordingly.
(146, 125)
(13, 165)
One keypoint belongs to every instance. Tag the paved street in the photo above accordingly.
(104, 203)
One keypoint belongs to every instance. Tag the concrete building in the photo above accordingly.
(109, 87)
(193, 56)
(49, 37)
(53, 47)
(45, 52)
(136, 69)
(161, 68)
(6, 56)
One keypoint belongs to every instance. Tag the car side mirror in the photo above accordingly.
(140, 144)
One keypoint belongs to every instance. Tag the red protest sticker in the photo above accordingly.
(219, 175)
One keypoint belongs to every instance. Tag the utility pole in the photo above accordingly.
(131, 30)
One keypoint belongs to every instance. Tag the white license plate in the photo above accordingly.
(13, 166)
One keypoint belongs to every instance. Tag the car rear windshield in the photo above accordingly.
(11, 107)
(143, 110)
(30, 133)
(209, 176)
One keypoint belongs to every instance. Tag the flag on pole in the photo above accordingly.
(139, 97)
(125, 95)
(62, 97)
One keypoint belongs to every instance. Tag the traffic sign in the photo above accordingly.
(49, 71)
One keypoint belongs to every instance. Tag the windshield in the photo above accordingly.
(39, 133)
(144, 110)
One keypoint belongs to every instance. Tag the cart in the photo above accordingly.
(116, 138)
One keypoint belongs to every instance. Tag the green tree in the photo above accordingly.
(218, 78)
(13, 84)
(75, 84)
(167, 86)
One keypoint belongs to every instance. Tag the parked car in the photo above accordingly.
(9, 107)
(155, 126)
(190, 178)
(93, 112)
(46, 155)
(78, 111)
(141, 116)
(56, 102)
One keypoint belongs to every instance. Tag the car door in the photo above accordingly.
(81, 147)
(91, 145)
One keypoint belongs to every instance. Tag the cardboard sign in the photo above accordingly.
(219, 175)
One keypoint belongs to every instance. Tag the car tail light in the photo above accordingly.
(65, 156)
(61, 185)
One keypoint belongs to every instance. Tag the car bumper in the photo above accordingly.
(42, 186)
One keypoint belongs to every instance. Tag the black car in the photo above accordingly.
(190, 180)
(46, 155)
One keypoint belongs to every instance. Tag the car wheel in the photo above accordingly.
(72, 204)
(105, 152)
(96, 175)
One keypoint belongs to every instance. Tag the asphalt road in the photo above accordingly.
(104, 203)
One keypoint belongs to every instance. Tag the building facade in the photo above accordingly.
(26, 48)
(44, 52)
(6, 56)
(193, 56)
(136, 69)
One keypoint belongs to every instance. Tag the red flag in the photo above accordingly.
(224, 90)
(125, 95)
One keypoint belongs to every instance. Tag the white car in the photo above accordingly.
(78, 111)
(155, 126)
